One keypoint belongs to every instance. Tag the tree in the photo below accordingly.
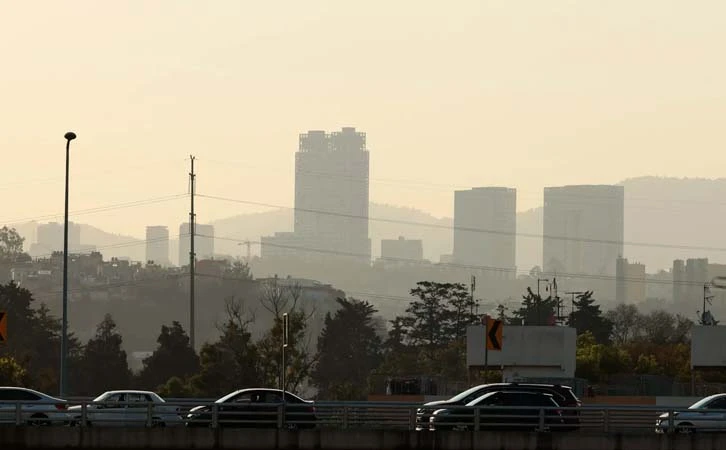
(12, 373)
(349, 349)
(625, 320)
(34, 337)
(595, 361)
(104, 360)
(173, 357)
(239, 270)
(588, 317)
(232, 361)
(438, 316)
(662, 327)
(11, 244)
(398, 356)
(535, 310)
(279, 299)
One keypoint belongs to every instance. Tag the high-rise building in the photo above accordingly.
(157, 245)
(331, 194)
(630, 281)
(203, 242)
(583, 229)
(485, 225)
(50, 239)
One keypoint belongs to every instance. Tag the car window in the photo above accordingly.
(27, 396)
(719, 403)
(245, 397)
(137, 398)
(17, 395)
(115, 398)
(273, 397)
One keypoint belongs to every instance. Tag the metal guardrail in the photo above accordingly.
(369, 415)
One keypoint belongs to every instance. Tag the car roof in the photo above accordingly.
(493, 393)
(18, 388)
(240, 391)
(129, 391)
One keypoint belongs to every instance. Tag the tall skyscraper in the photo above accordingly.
(583, 229)
(485, 225)
(203, 242)
(331, 193)
(157, 245)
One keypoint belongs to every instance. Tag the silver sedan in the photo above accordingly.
(127, 408)
(707, 414)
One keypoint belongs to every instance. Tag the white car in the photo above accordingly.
(707, 414)
(127, 408)
(36, 408)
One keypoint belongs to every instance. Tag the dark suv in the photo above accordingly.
(512, 410)
(563, 395)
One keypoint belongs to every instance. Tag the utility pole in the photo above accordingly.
(706, 298)
(473, 288)
(249, 250)
(539, 300)
(192, 256)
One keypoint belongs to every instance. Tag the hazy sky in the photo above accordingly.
(452, 94)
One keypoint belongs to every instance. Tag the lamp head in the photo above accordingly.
(70, 136)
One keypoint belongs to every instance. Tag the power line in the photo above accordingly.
(469, 229)
(119, 245)
(450, 187)
(467, 266)
(97, 209)
(87, 175)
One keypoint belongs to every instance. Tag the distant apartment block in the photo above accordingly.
(49, 239)
(331, 198)
(690, 277)
(402, 249)
(583, 229)
(630, 282)
(485, 226)
(203, 242)
(157, 245)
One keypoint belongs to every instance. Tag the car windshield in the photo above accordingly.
(467, 393)
(481, 399)
(101, 397)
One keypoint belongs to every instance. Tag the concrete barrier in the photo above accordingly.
(241, 439)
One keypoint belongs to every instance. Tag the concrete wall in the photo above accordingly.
(204, 438)
(535, 351)
(707, 346)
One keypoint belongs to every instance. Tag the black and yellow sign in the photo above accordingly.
(3, 327)
(494, 334)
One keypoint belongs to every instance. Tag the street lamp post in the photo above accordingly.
(64, 329)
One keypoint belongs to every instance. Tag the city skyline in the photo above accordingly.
(556, 97)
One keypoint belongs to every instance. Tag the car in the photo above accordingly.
(563, 395)
(509, 410)
(255, 408)
(127, 408)
(707, 414)
(36, 408)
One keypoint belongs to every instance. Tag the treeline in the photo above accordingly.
(345, 360)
